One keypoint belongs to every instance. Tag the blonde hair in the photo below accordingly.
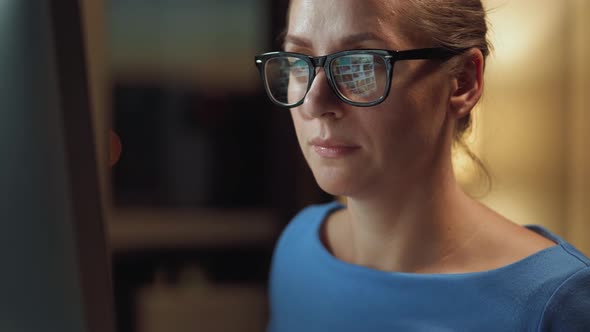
(454, 24)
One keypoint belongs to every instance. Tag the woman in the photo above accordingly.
(410, 251)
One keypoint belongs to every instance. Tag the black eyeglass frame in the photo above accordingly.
(389, 56)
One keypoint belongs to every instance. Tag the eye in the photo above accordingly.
(299, 68)
(360, 77)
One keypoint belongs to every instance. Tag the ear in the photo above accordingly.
(467, 84)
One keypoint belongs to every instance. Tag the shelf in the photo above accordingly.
(146, 229)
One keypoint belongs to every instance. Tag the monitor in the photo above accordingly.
(53, 249)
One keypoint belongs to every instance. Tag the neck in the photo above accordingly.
(413, 225)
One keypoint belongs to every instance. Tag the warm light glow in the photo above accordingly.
(519, 29)
(522, 138)
(466, 170)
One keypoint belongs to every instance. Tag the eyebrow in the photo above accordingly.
(348, 40)
(299, 41)
(361, 37)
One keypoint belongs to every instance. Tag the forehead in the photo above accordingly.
(329, 24)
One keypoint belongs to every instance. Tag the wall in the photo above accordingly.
(532, 124)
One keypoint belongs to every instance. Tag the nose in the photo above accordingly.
(321, 100)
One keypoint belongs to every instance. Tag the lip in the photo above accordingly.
(332, 148)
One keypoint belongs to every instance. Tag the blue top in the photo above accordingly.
(311, 290)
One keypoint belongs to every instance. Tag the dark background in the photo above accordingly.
(199, 134)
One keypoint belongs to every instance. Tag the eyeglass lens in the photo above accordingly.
(287, 79)
(360, 78)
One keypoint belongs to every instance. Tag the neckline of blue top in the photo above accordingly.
(545, 255)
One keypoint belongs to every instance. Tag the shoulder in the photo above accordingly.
(568, 308)
(308, 219)
(298, 241)
(300, 234)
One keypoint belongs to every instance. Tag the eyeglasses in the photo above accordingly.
(357, 77)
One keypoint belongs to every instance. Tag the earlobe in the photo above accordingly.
(468, 83)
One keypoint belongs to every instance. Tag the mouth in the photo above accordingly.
(333, 148)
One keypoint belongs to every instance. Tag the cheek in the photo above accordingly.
(299, 126)
(406, 126)
(420, 99)
(400, 118)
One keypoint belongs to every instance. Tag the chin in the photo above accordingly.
(336, 182)
(340, 176)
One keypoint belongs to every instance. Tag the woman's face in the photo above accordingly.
(355, 151)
